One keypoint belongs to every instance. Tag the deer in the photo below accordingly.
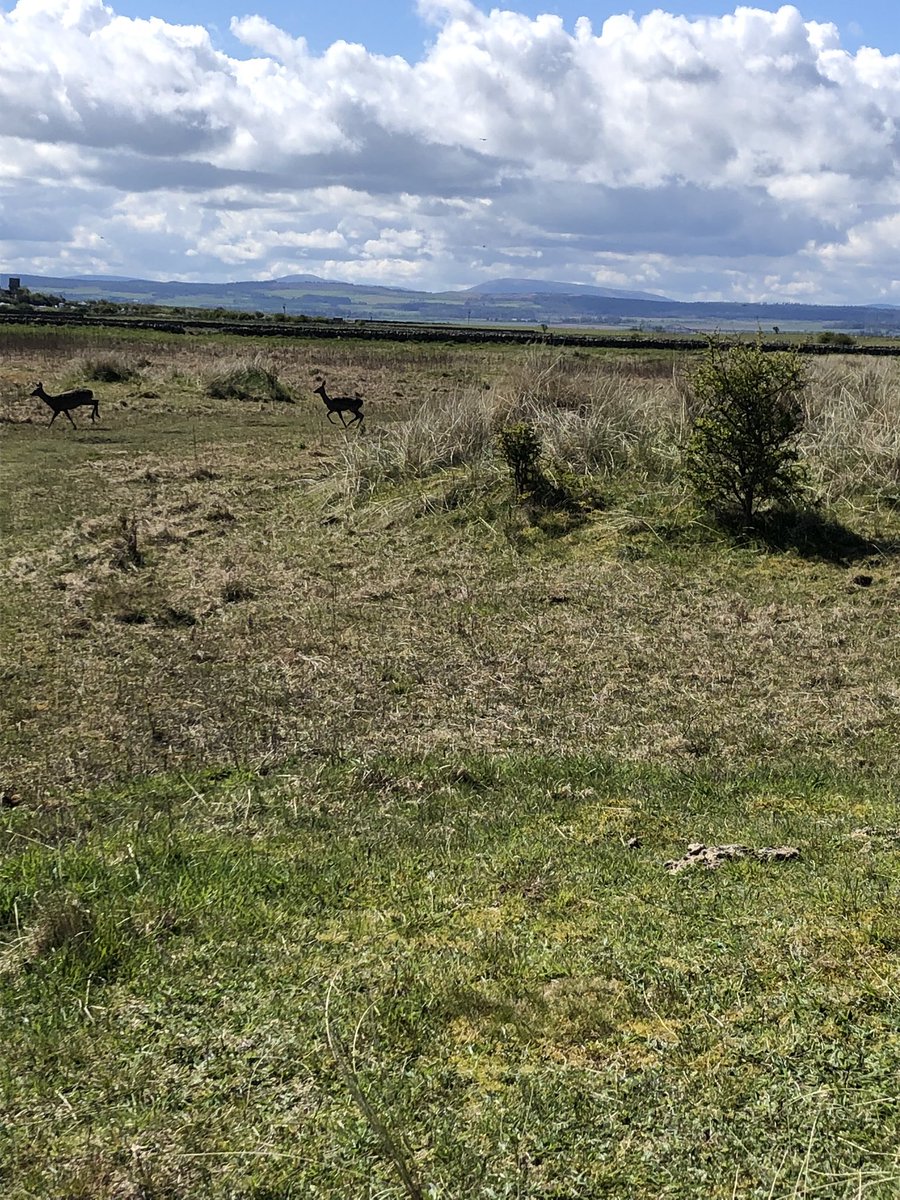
(66, 401)
(341, 404)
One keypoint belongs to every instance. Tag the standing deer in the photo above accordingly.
(66, 401)
(341, 404)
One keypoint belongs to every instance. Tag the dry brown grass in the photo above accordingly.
(853, 425)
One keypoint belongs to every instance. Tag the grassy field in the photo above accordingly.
(338, 789)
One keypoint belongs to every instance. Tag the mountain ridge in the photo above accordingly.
(515, 303)
(513, 285)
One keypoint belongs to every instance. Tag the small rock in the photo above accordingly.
(862, 580)
(634, 843)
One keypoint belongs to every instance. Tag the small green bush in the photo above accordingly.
(743, 448)
(521, 448)
(554, 489)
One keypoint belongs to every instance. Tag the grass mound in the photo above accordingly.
(592, 421)
(109, 368)
(252, 380)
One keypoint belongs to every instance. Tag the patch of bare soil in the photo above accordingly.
(884, 835)
(711, 857)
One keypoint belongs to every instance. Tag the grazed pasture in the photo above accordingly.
(328, 772)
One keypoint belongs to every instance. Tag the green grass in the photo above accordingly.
(316, 803)
(530, 1006)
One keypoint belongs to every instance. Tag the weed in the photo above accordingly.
(126, 553)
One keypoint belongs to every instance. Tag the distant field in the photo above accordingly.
(337, 788)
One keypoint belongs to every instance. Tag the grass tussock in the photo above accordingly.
(242, 379)
(592, 421)
(440, 434)
(110, 368)
(852, 434)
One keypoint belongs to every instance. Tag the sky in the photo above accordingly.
(712, 151)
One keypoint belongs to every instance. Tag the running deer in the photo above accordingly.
(66, 401)
(341, 404)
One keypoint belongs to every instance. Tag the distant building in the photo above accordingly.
(14, 284)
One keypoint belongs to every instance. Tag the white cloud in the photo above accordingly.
(746, 155)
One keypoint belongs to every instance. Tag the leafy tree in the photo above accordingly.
(743, 448)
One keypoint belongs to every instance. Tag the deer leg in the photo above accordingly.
(343, 421)
(69, 415)
(331, 416)
(53, 418)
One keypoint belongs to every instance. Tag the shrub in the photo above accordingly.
(520, 446)
(542, 490)
(743, 448)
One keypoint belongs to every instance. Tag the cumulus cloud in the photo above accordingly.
(746, 156)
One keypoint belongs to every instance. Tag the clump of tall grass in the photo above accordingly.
(247, 379)
(852, 431)
(591, 421)
(443, 432)
(108, 368)
(598, 417)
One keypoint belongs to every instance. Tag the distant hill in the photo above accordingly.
(504, 301)
(300, 279)
(104, 279)
(552, 287)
